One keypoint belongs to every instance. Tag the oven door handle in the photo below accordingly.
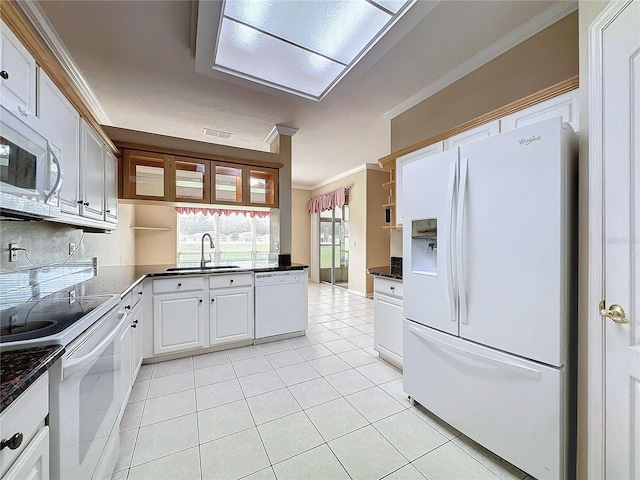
(77, 364)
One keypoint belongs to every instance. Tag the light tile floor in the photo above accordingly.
(323, 406)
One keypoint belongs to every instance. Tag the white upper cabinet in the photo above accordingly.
(110, 187)
(63, 124)
(17, 72)
(404, 160)
(565, 105)
(92, 179)
(478, 133)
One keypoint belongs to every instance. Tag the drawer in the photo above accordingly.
(231, 280)
(388, 287)
(25, 415)
(177, 284)
(136, 294)
(468, 386)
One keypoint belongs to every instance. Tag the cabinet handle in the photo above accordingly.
(4, 74)
(80, 202)
(86, 204)
(136, 322)
(128, 307)
(213, 300)
(139, 293)
(393, 288)
(200, 300)
(133, 325)
(108, 210)
(13, 443)
(231, 281)
(179, 284)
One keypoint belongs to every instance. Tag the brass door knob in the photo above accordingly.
(614, 312)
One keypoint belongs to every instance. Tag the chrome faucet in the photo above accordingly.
(204, 262)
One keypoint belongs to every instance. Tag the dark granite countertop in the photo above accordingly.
(20, 368)
(386, 272)
(121, 279)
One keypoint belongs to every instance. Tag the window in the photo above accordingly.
(239, 236)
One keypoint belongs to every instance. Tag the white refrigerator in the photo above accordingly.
(490, 299)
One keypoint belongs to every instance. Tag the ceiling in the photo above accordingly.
(137, 58)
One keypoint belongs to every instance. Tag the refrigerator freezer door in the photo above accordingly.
(428, 203)
(513, 407)
(514, 242)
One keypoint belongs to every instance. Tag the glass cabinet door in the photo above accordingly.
(145, 175)
(263, 186)
(227, 184)
(192, 180)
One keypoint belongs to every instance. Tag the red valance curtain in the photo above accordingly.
(223, 211)
(328, 201)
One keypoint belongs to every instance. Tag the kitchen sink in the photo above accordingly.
(197, 269)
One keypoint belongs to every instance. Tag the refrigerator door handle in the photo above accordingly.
(462, 293)
(530, 372)
(449, 244)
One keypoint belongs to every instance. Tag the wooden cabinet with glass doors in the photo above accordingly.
(155, 176)
(165, 177)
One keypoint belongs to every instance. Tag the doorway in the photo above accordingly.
(334, 246)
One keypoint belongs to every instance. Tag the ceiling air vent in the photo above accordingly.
(217, 133)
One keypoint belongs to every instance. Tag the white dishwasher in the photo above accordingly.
(280, 303)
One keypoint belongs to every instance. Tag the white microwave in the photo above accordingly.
(30, 171)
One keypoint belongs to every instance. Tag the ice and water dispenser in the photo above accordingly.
(424, 246)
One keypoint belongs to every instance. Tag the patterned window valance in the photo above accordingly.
(328, 201)
(223, 211)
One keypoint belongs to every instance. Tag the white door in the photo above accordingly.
(429, 295)
(513, 246)
(92, 184)
(63, 122)
(405, 160)
(231, 315)
(620, 132)
(18, 72)
(178, 322)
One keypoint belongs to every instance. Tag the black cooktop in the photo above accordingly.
(46, 317)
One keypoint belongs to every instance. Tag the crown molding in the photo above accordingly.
(279, 130)
(50, 37)
(364, 166)
(517, 36)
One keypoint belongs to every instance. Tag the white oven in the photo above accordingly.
(85, 403)
(30, 172)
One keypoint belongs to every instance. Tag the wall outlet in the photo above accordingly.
(13, 254)
(72, 248)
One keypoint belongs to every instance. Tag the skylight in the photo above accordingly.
(300, 46)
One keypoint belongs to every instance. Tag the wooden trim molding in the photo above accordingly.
(206, 156)
(21, 27)
(388, 162)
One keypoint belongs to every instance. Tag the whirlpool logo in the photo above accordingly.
(527, 141)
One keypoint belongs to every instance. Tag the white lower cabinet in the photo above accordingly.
(230, 315)
(387, 320)
(33, 463)
(136, 340)
(27, 456)
(188, 316)
(178, 322)
(178, 314)
(125, 361)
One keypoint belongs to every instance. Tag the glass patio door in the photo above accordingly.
(334, 246)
